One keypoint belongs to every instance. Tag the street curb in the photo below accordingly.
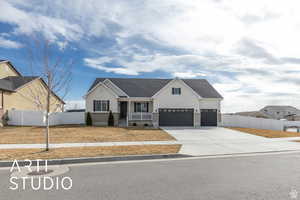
(94, 159)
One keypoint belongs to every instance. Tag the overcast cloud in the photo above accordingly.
(249, 50)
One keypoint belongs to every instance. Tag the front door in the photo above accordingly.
(123, 109)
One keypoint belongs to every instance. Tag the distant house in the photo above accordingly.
(281, 112)
(256, 114)
(19, 92)
(274, 112)
(154, 102)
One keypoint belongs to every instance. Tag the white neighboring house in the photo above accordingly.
(281, 112)
(157, 102)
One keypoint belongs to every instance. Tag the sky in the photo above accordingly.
(248, 50)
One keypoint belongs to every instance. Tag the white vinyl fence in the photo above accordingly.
(252, 122)
(37, 118)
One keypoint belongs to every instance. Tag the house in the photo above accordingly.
(154, 102)
(19, 92)
(256, 114)
(281, 112)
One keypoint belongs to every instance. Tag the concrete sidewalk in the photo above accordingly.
(95, 144)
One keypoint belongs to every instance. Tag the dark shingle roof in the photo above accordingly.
(15, 82)
(6, 85)
(135, 87)
(203, 88)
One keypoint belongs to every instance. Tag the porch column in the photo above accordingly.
(128, 112)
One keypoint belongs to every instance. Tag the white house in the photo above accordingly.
(157, 102)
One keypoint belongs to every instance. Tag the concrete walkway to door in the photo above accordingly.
(218, 141)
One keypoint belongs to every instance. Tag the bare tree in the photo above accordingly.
(54, 70)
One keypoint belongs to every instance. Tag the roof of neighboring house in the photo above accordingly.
(12, 83)
(257, 114)
(11, 65)
(139, 87)
(18, 81)
(278, 107)
(6, 85)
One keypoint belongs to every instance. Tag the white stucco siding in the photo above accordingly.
(101, 93)
(165, 99)
(210, 104)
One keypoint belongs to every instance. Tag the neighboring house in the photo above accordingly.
(256, 114)
(157, 102)
(19, 92)
(274, 112)
(281, 112)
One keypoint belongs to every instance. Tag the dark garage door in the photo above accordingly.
(176, 117)
(209, 117)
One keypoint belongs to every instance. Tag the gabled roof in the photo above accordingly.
(203, 88)
(18, 81)
(6, 85)
(139, 87)
(11, 66)
(278, 107)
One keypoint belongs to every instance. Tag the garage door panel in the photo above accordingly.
(176, 117)
(209, 117)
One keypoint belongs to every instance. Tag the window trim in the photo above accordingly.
(140, 103)
(101, 104)
(176, 91)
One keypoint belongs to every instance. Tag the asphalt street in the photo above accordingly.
(254, 177)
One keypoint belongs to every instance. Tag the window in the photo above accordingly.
(176, 91)
(100, 105)
(141, 107)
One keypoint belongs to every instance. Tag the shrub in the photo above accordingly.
(88, 119)
(110, 119)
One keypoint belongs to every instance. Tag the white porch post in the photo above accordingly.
(128, 112)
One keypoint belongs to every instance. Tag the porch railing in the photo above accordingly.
(140, 116)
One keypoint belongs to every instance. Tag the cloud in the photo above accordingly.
(188, 74)
(177, 65)
(247, 49)
(5, 43)
(28, 22)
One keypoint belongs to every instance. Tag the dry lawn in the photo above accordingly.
(19, 154)
(266, 133)
(77, 134)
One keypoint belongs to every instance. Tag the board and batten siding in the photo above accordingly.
(101, 93)
(165, 98)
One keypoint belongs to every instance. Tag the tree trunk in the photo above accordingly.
(47, 112)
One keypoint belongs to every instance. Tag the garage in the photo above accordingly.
(176, 117)
(209, 117)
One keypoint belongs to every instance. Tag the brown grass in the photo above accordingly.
(19, 154)
(266, 133)
(76, 134)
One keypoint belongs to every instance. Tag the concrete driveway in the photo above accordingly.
(218, 141)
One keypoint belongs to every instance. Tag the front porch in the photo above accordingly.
(135, 112)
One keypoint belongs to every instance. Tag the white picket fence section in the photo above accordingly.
(37, 118)
(252, 122)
